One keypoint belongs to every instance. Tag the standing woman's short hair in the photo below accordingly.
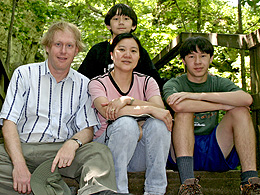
(47, 39)
(121, 9)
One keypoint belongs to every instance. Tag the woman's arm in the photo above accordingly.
(144, 107)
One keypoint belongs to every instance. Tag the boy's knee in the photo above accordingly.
(239, 111)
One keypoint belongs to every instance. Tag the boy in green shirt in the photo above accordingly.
(199, 142)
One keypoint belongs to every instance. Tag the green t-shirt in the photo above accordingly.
(204, 122)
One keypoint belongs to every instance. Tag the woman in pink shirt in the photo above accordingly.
(139, 142)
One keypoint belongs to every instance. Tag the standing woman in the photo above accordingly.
(137, 143)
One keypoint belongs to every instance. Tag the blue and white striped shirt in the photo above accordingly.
(44, 110)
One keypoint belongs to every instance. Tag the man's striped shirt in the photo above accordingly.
(44, 110)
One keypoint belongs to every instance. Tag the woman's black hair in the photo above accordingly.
(121, 9)
(122, 36)
(193, 43)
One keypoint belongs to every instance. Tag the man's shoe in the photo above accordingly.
(190, 186)
(252, 188)
(109, 192)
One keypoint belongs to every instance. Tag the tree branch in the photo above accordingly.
(95, 10)
(9, 39)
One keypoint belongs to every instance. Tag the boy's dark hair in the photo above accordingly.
(122, 36)
(121, 9)
(192, 43)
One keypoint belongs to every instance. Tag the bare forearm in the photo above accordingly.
(85, 135)
(134, 110)
(197, 106)
(200, 102)
(122, 106)
(236, 98)
(12, 142)
(158, 104)
(159, 113)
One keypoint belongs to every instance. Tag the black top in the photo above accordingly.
(98, 60)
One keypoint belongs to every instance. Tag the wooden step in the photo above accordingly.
(213, 183)
(226, 183)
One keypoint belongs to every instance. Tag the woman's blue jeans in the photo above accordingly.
(149, 154)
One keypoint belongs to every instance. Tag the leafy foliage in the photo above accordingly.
(220, 18)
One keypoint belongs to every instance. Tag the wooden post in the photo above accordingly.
(253, 41)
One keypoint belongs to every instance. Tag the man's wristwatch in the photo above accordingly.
(78, 141)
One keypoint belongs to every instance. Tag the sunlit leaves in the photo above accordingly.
(159, 21)
(216, 17)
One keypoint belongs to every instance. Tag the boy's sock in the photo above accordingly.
(246, 175)
(185, 167)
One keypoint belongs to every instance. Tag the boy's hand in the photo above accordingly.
(176, 98)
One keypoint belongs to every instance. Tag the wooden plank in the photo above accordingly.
(254, 53)
(212, 182)
(168, 53)
(237, 41)
(257, 133)
(253, 39)
(256, 102)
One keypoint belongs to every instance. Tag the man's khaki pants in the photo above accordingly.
(92, 166)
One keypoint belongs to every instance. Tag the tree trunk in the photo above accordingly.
(9, 39)
(182, 17)
(199, 16)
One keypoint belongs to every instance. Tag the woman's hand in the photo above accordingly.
(163, 115)
(115, 105)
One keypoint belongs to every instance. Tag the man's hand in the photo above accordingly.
(176, 98)
(21, 174)
(65, 155)
(21, 179)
